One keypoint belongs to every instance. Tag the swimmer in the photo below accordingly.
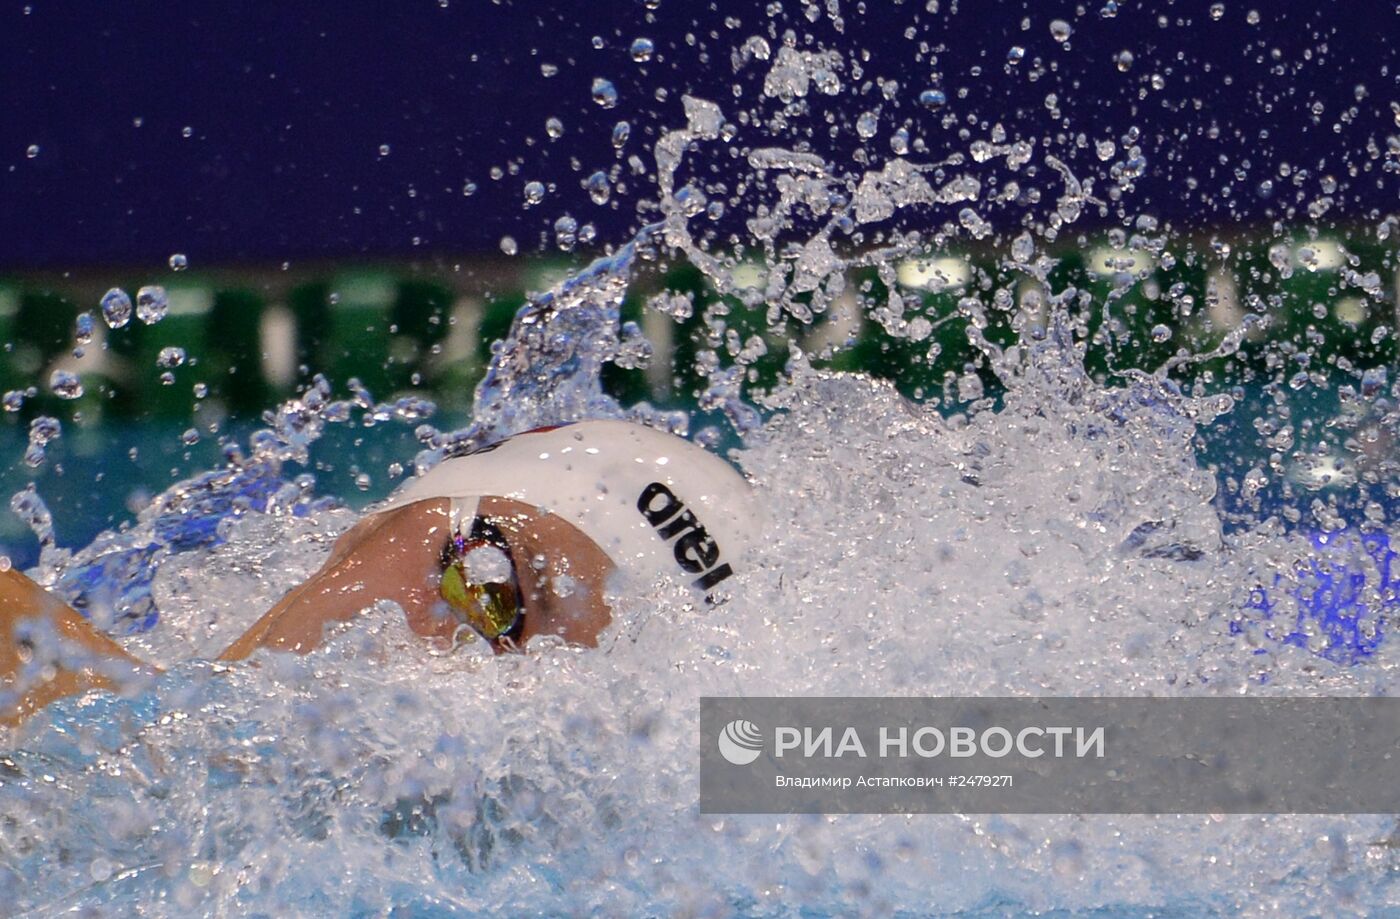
(514, 540)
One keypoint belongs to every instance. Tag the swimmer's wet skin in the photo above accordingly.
(564, 507)
(26, 609)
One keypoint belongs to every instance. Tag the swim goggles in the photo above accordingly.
(491, 608)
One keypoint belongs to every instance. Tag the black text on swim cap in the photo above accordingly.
(696, 551)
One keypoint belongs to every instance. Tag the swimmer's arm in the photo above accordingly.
(387, 556)
(24, 604)
(395, 555)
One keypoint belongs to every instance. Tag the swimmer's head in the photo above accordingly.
(637, 501)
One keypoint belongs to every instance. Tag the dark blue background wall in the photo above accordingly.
(288, 105)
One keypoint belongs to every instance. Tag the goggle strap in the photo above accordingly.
(460, 510)
(483, 530)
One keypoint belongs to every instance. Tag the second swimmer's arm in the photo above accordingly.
(24, 603)
(390, 556)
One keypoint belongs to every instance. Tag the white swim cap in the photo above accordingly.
(655, 503)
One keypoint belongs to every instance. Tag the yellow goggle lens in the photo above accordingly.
(491, 609)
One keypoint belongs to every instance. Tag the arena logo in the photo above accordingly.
(696, 550)
(740, 742)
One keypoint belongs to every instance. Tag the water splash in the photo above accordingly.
(110, 580)
(548, 369)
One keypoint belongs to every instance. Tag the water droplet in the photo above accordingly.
(1014, 55)
(566, 233)
(1217, 11)
(604, 93)
(82, 328)
(190, 437)
(598, 187)
(1252, 17)
(534, 193)
(187, 131)
(899, 142)
(548, 70)
(116, 308)
(620, 133)
(1105, 149)
(1124, 60)
(152, 304)
(13, 400)
(867, 124)
(178, 262)
(508, 245)
(201, 390)
(385, 149)
(1161, 333)
(1060, 30)
(642, 50)
(33, 151)
(974, 223)
(170, 357)
(66, 385)
(933, 99)
(42, 431)
(554, 128)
